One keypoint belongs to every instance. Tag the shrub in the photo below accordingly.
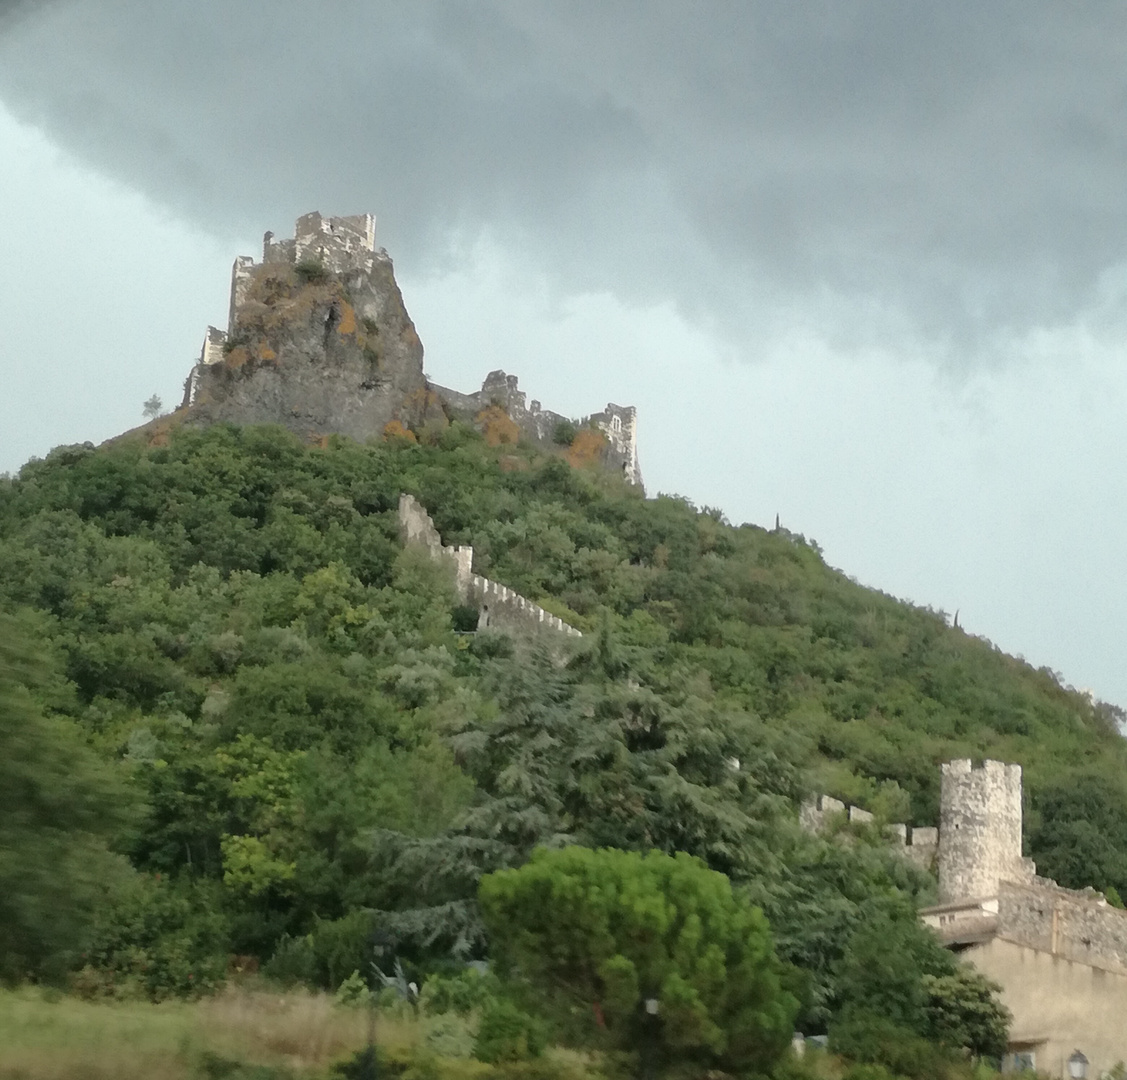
(507, 1033)
(311, 272)
(564, 433)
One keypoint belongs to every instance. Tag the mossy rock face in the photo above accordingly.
(320, 354)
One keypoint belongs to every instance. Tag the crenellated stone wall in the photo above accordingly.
(416, 527)
(500, 607)
(919, 845)
(503, 609)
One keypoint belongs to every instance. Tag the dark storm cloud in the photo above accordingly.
(963, 161)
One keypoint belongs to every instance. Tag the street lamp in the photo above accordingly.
(1077, 1066)
(379, 943)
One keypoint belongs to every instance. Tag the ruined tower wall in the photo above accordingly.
(416, 527)
(980, 830)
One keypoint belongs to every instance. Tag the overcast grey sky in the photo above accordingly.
(860, 263)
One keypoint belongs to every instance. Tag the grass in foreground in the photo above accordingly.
(46, 1038)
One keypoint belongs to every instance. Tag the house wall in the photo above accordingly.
(1078, 925)
(1059, 1006)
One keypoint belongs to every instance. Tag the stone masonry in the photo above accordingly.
(980, 830)
(617, 424)
(820, 812)
(1060, 955)
(499, 606)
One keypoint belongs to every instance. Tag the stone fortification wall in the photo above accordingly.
(339, 244)
(499, 606)
(503, 609)
(616, 423)
(919, 845)
(1076, 925)
(980, 830)
(416, 527)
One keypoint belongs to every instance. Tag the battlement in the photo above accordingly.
(339, 244)
(819, 812)
(499, 606)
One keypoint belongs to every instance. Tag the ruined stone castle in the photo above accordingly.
(319, 340)
(498, 606)
(1060, 955)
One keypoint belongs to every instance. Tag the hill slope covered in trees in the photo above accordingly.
(306, 749)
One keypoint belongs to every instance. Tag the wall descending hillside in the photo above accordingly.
(499, 607)
(503, 609)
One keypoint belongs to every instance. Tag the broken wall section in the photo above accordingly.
(919, 845)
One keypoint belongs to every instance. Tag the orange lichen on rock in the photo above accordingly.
(393, 429)
(265, 352)
(347, 318)
(586, 448)
(409, 335)
(238, 356)
(497, 427)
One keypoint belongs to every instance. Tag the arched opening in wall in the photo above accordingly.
(483, 619)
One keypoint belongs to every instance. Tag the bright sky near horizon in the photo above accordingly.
(865, 272)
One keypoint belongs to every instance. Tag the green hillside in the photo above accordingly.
(303, 747)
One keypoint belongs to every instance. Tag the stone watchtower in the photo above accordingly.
(980, 830)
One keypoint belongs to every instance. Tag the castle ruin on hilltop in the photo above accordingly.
(318, 340)
(1060, 955)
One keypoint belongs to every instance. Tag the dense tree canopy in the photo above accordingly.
(58, 806)
(245, 649)
(652, 949)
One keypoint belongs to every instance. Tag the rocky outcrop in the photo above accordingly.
(319, 340)
(316, 342)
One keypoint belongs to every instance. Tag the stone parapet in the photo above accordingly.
(1078, 925)
(818, 813)
(503, 609)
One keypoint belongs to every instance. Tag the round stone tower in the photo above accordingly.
(980, 830)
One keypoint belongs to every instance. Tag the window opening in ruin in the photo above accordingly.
(1026, 1061)
(332, 320)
